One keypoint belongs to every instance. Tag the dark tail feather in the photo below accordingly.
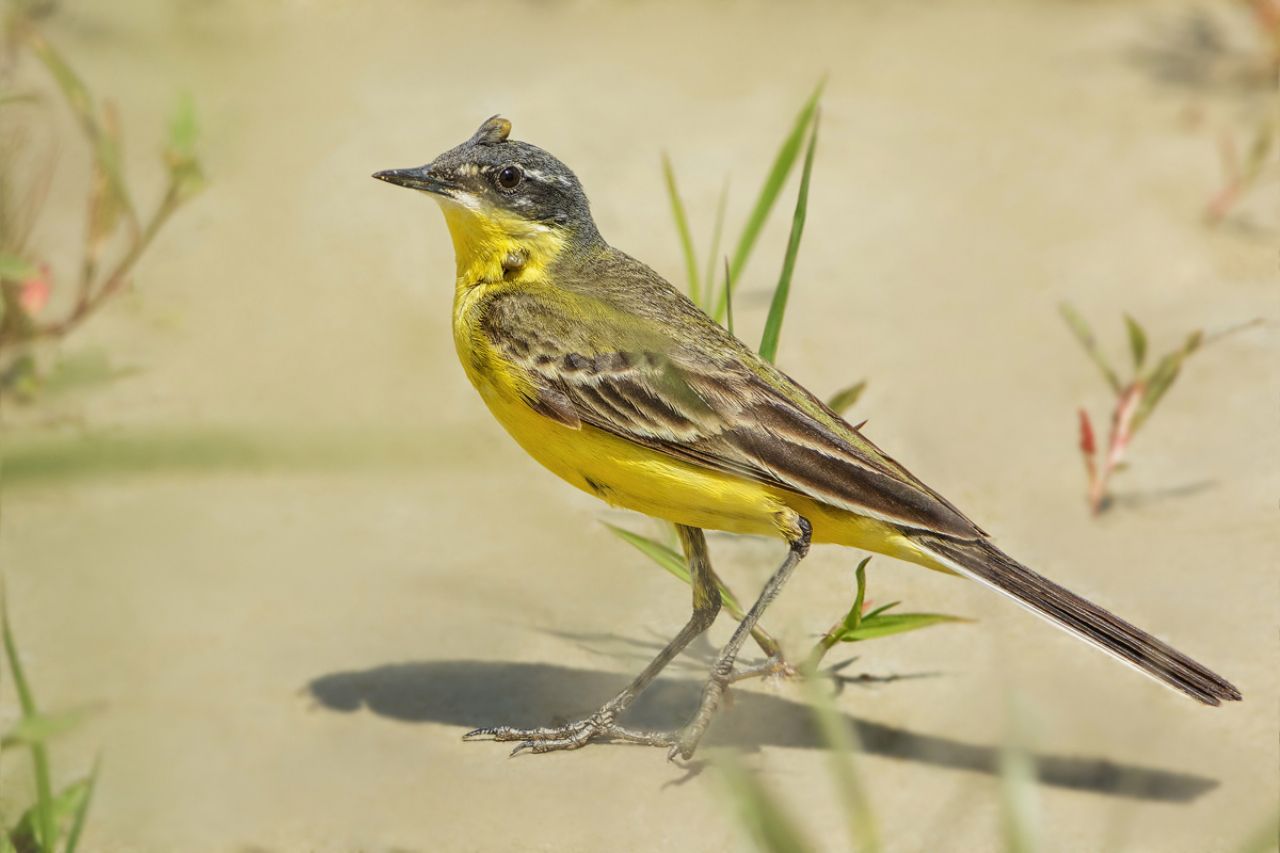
(983, 562)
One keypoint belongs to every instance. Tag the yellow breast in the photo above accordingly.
(620, 472)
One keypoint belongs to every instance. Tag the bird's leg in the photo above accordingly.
(686, 740)
(603, 723)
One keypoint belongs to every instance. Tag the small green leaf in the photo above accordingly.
(1161, 378)
(1137, 341)
(682, 228)
(15, 268)
(845, 398)
(183, 127)
(66, 804)
(40, 728)
(777, 177)
(1259, 150)
(185, 174)
(881, 609)
(781, 293)
(886, 625)
(1085, 336)
(82, 811)
(854, 617)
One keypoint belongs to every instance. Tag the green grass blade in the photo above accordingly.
(43, 808)
(888, 624)
(881, 609)
(1020, 805)
(771, 828)
(668, 558)
(66, 804)
(781, 293)
(783, 162)
(845, 398)
(716, 232)
(842, 743)
(82, 811)
(40, 728)
(673, 562)
(682, 228)
(1084, 335)
(727, 293)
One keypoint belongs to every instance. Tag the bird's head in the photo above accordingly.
(505, 201)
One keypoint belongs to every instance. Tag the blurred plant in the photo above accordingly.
(1239, 178)
(55, 821)
(860, 623)
(116, 236)
(773, 828)
(803, 135)
(1135, 398)
(769, 825)
(1229, 47)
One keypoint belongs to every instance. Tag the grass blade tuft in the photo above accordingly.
(778, 308)
(682, 227)
(42, 814)
(783, 162)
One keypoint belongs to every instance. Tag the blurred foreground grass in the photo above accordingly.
(39, 457)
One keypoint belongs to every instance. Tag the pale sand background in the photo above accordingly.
(287, 638)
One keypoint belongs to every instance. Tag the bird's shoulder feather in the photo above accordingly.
(624, 352)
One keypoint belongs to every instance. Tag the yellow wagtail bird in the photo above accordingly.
(607, 375)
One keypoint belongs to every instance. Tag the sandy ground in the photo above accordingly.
(293, 558)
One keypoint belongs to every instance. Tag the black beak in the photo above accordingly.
(421, 178)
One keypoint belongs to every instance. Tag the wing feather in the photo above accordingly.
(728, 411)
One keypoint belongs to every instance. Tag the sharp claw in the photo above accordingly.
(521, 747)
(477, 734)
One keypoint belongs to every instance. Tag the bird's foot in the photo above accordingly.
(600, 726)
(685, 742)
(603, 725)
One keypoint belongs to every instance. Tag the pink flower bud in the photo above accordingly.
(34, 292)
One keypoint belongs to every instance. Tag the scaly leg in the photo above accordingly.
(686, 740)
(603, 723)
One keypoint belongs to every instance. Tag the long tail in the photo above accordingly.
(983, 562)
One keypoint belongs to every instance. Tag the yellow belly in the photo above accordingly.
(638, 478)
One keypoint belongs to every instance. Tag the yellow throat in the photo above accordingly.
(491, 245)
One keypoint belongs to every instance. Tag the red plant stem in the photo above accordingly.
(1117, 443)
(1088, 449)
(88, 302)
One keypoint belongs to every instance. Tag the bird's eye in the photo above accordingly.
(509, 177)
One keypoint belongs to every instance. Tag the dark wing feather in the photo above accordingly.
(722, 409)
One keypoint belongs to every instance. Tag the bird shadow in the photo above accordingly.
(470, 693)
